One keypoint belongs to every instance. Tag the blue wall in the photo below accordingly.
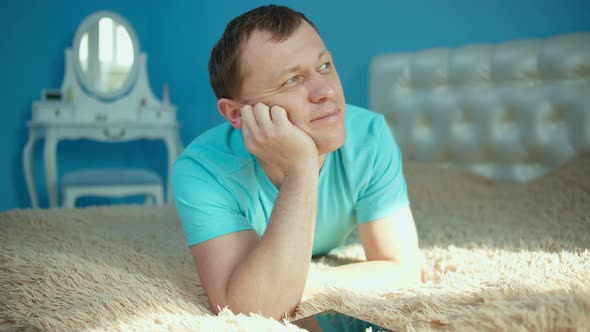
(178, 35)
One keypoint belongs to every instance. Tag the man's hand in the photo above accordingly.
(393, 259)
(270, 136)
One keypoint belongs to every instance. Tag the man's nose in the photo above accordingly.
(320, 88)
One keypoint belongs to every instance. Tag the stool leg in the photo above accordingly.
(69, 200)
(159, 196)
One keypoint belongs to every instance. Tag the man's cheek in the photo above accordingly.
(296, 117)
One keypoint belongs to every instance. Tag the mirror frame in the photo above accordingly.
(81, 75)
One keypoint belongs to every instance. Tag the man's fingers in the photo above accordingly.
(279, 115)
(262, 115)
(248, 120)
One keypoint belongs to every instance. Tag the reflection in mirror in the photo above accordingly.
(106, 55)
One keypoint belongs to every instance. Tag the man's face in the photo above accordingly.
(297, 74)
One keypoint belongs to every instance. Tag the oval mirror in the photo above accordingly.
(106, 54)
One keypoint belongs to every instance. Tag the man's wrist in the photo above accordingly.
(304, 167)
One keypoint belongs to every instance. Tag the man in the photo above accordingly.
(289, 175)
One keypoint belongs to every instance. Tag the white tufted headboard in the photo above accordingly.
(511, 111)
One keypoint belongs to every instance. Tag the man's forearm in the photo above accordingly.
(272, 278)
(364, 276)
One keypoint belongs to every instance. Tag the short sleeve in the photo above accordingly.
(205, 207)
(386, 189)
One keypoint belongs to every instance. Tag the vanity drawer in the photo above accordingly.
(157, 115)
(52, 112)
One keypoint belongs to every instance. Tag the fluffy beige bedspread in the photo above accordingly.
(498, 257)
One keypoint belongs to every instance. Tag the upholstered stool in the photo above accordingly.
(118, 182)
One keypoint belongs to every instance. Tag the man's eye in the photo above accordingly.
(292, 80)
(325, 66)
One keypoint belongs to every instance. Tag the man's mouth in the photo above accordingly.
(327, 116)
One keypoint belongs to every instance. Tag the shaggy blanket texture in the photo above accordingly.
(498, 257)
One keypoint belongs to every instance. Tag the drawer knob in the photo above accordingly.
(114, 134)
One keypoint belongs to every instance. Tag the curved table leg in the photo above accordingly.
(49, 156)
(28, 167)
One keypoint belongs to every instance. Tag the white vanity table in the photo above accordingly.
(93, 105)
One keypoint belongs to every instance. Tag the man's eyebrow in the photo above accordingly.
(297, 67)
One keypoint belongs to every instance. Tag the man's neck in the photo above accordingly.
(275, 175)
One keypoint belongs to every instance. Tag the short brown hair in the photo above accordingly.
(224, 63)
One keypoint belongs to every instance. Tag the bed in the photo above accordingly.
(495, 141)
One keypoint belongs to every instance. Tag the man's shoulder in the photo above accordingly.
(363, 126)
(219, 150)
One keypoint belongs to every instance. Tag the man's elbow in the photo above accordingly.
(413, 265)
(217, 306)
(414, 273)
(411, 271)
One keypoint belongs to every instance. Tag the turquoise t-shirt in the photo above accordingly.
(220, 188)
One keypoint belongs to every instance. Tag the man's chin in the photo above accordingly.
(331, 145)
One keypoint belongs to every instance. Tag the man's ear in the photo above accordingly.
(231, 111)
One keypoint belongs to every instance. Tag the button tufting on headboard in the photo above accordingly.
(511, 111)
